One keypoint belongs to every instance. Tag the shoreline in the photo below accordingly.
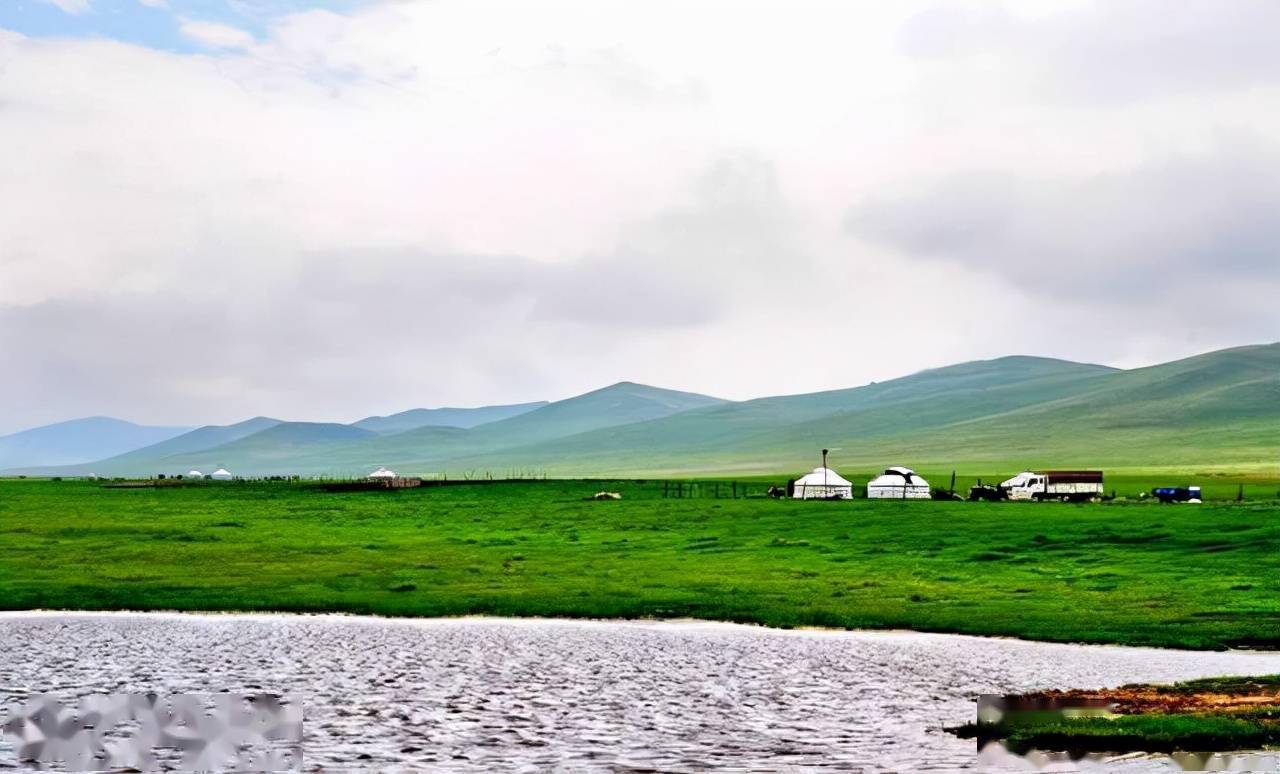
(670, 624)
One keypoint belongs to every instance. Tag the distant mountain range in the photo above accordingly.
(1217, 410)
(78, 440)
(444, 417)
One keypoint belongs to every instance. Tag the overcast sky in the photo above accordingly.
(212, 209)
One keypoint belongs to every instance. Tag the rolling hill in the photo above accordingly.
(444, 417)
(1219, 409)
(424, 447)
(153, 458)
(753, 436)
(79, 440)
(272, 450)
(1214, 411)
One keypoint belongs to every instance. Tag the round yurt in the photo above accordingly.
(382, 473)
(898, 483)
(194, 474)
(822, 483)
(221, 474)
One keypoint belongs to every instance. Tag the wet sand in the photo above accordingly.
(487, 694)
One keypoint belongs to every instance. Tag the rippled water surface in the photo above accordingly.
(488, 694)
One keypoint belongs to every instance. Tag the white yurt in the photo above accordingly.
(221, 474)
(822, 484)
(898, 483)
(194, 474)
(382, 473)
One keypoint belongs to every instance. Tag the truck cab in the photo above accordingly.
(1064, 485)
(1024, 486)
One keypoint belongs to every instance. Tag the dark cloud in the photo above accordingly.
(1111, 267)
(1168, 224)
(234, 340)
(1112, 51)
(1187, 249)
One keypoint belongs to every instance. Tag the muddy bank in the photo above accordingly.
(1213, 715)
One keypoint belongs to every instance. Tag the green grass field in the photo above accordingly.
(1203, 576)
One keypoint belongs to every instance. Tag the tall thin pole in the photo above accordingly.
(826, 490)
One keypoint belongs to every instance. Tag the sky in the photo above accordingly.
(215, 209)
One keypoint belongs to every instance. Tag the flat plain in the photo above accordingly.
(1125, 572)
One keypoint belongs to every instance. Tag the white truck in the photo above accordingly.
(1065, 485)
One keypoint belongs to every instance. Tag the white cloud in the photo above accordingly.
(215, 35)
(534, 200)
(155, 3)
(73, 7)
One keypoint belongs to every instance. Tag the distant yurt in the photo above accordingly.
(898, 483)
(221, 474)
(194, 474)
(822, 483)
(382, 473)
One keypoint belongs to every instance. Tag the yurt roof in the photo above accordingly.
(897, 476)
(821, 476)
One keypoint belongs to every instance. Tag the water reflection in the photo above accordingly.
(995, 756)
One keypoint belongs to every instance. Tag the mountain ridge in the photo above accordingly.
(1215, 406)
(79, 440)
(445, 416)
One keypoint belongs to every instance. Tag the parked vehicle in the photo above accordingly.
(1064, 485)
(1177, 494)
(981, 491)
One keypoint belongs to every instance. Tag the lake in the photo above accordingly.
(484, 694)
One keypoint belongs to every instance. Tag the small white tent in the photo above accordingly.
(382, 473)
(822, 484)
(221, 474)
(194, 474)
(898, 483)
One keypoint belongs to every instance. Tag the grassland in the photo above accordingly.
(1203, 576)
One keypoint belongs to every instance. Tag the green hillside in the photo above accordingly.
(1222, 408)
(619, 404)
(444, 417)
(755, 435)
(1216, 411)
(273, 449)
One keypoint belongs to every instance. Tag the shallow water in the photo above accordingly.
(489, 694)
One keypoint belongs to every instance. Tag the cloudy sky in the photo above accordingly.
(323, 209)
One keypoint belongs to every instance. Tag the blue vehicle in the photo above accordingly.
(1177, 494)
